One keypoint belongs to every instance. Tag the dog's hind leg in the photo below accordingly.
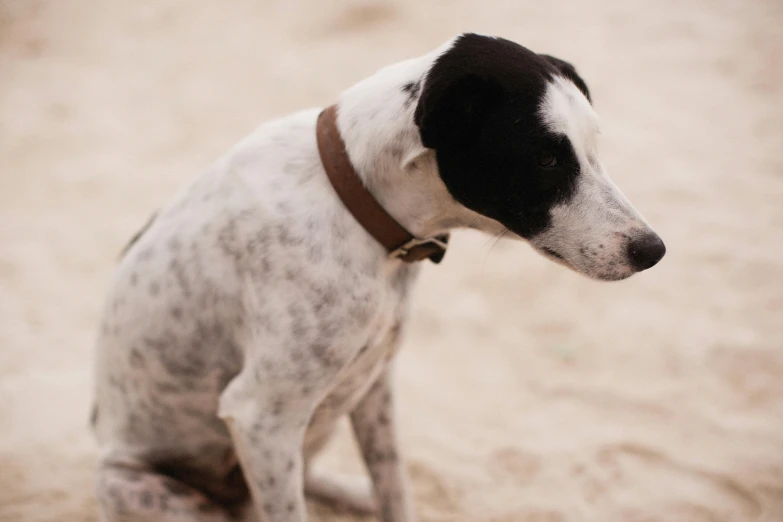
(134, 494)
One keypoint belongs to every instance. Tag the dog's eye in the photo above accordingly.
(547, 160)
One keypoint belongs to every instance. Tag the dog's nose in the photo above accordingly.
(645, 251)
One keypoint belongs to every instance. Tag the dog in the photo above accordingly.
(260, 306)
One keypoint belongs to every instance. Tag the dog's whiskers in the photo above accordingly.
(497, 237)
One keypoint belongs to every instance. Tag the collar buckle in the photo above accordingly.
(417, 249)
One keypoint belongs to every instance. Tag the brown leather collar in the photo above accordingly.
(364, 207)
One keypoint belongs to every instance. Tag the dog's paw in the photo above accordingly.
(342, 492)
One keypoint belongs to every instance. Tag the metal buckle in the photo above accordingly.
(404, 249)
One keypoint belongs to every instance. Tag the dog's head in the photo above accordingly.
(514, 134)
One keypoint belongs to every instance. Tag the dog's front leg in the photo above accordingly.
(373, 424)
(267, 417)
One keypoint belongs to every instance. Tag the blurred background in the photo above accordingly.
(527, 393)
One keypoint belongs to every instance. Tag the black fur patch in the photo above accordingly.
(412, 90)
(569, 71)
(479, 110)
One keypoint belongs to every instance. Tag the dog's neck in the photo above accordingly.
(376, 121)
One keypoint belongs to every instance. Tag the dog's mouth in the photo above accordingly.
(554, 254)
(558, 258)
(609, 271)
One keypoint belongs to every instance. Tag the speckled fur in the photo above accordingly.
(254, 312)
(251, 316)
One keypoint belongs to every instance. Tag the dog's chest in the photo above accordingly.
(371, 360)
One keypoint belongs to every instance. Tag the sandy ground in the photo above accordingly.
(527, 392)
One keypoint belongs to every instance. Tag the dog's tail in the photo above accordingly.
(138, 234)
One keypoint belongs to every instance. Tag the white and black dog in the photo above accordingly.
(255, 311)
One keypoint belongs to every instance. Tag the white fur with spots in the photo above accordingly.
(255, 312)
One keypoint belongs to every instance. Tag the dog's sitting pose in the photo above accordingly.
(268, 299)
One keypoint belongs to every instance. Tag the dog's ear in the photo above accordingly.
(569, 71)
(451, 113)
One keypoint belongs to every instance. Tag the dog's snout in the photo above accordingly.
(645, 251)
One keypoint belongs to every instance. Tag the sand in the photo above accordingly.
(527, 392)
